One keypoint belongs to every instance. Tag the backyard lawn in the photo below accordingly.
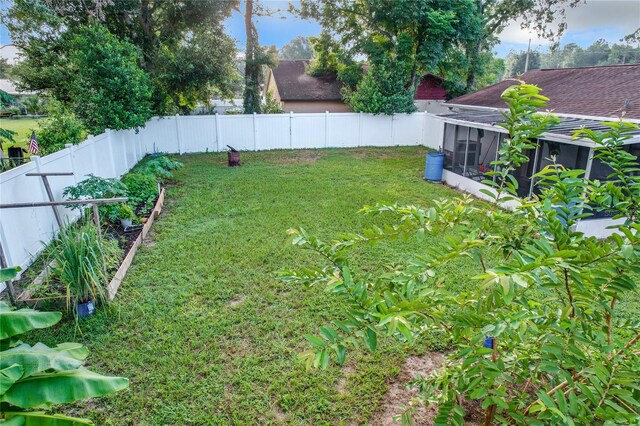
(22, 127)
(202, 326)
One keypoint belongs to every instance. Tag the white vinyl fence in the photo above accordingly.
(24, 231)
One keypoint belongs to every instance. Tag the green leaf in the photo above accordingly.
(8, 376)
(315, 340)
(39, 418)
(17, 322)
(38, 358)
(44, 389)
(370, 339)
(7, 274)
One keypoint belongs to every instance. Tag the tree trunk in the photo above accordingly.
(251, 67)
(472, 54)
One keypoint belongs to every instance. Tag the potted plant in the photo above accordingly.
(82, 259)
(126, 215)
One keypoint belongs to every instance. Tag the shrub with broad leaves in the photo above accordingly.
(536, 337)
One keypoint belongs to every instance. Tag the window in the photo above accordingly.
(570, 156)
(601, 172)
(455, 147)
(482, 151)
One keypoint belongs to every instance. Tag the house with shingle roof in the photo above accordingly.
(297, 91)
(580, 97)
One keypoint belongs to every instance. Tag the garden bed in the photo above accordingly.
(128, 240)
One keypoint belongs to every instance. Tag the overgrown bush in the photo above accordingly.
(159, 166)
(82, 261)
(59, 128)
(97, 187)
(142, 190)
(38, 376)
(537, 337)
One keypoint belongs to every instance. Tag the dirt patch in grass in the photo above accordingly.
(342, 383)
(306, 156)
(400, 395)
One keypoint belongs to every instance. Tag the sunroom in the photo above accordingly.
(472, 138)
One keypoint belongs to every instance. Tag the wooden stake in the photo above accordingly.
(96, 219)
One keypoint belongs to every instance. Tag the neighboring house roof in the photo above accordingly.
(604, 91)
(294, 84)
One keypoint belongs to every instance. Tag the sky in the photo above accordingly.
(607, 19)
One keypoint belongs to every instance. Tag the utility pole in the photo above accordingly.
(526, 62)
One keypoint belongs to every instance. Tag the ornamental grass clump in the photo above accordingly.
(82, 261)
(539, 337)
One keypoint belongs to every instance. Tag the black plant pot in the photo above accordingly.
(86, 309)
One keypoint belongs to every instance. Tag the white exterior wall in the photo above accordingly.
(24, 231)
(598, 228)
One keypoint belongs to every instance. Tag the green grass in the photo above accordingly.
(22, 127)
(203, 328)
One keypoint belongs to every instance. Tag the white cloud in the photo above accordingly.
(622, 16)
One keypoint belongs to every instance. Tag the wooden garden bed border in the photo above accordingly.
(113, 286)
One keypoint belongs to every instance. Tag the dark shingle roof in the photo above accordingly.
(295, 85)
(566, 127)
(594, 91)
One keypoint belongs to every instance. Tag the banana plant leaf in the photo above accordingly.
(9, 375)
(17, 322)
(44, 389)
(39, 418)
(38, 358)
(8, 274)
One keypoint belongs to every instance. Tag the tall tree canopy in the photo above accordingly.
(296, 49)
(402, 40)
(545, 18)
(184, 49)
(514, 63)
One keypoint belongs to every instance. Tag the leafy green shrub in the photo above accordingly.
(61, 127)
(97, 187)
(39, 376)
(125, 212)
(142, 190)
(537, 334)
(82, 261)
(159, 166)
(271, 105)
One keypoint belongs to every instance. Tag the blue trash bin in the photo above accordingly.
(434, 166)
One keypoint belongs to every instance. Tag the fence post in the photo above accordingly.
(94, 159)
(179, 134)
(255, 131)
(139, 150)
(326, 128)
(291, 130)
(360, 129)
(218, 133)
(393, 118)
(72, 157)
(113, 158)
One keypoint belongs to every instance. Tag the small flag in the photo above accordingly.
(33, 144)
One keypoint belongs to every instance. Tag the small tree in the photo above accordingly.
(96, 76)
(536, 338)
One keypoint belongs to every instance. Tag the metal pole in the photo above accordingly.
(526, 62)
